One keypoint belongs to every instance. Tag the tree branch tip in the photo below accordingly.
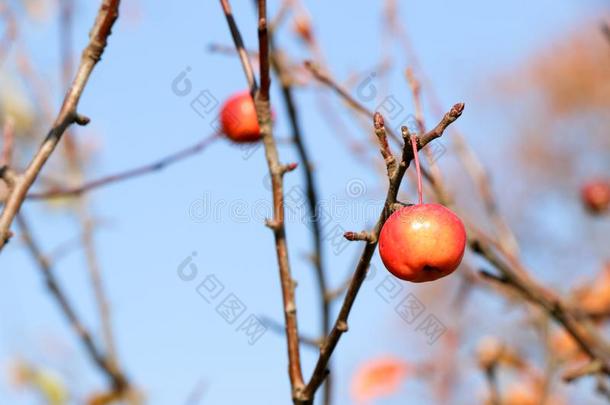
(81, 120)
(288, 167)
(413, 82)
(362, 236)
(406, 134)
(378, 121)
(457, 110)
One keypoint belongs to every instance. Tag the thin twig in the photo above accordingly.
(106, 17)
(66, 25)
(480, 178)
(10, 31)
(281, 14)
(230, 50)
(435, 172)
(363, 236)
(593, 367)
(118, 379)
(8, 138)
(325, 78)
(125, 175)
(239, 46)
(263, 51)
(64, 248)
(99, 291)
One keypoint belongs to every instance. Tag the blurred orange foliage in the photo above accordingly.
(573, 73)
(378, 378)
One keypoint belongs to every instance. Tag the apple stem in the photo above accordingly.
(417, 169)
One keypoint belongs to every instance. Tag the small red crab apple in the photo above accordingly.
(422, 242)
(595, 195)
(238, 119)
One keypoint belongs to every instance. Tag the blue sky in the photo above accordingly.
(169, 338)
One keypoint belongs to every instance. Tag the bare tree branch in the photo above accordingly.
(263, 111)
(276, 171)
(106, 17)
(279, 65)
(239, 46)
(116, 376)
(125, 175)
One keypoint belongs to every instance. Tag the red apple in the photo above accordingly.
(422, 242)
(595, 195)
(238, 119)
